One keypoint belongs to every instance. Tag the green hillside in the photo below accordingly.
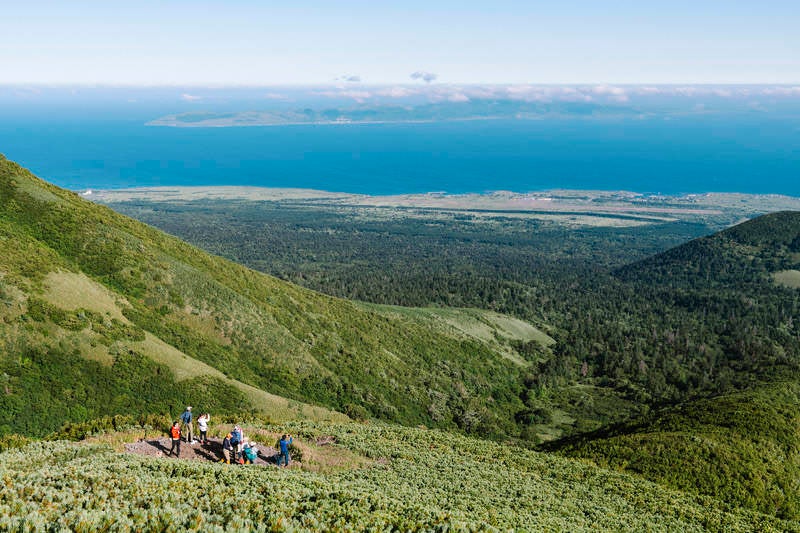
(701, 319)
(741, 448)
(100, 314)
(626, 337)
(744, 255)
(730, 316)
(396, 479)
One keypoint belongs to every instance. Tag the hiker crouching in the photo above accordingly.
(227, 449)
(250, 453)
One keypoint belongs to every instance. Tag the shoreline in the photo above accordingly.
(544, 194)
(503, 203)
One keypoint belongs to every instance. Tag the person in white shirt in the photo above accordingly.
(202, 426)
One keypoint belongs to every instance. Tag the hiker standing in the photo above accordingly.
(175, 434)
(237, 437)
(202, 426)
(227, 448)
(186, 417)
(284, 443)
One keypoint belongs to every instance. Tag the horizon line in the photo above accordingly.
(353, 85)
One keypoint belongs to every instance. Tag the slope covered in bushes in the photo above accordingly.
(108, 315)
(742, 448)
(408, 480)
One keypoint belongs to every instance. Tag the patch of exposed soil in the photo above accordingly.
(326, 440)
(212, 451)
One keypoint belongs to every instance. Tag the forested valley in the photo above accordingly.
(650, 326)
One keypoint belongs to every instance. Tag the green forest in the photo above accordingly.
(636, 310)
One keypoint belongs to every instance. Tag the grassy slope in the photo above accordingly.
(742, 448)
(151, 294)
(788, 278)
(497, 330)
(409, 480)
(74, 292)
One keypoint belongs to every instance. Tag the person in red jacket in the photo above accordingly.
(175, 434)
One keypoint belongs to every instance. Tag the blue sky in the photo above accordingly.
(315, 42)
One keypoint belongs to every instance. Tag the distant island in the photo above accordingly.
(394, 114)
(202, 119)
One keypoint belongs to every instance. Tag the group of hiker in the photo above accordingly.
(235, 447)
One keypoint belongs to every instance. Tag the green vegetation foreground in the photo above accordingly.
(414, 480)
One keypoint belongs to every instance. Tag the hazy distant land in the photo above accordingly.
(392, 114)
(263, 118)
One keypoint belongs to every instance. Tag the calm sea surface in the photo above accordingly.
(742, 153)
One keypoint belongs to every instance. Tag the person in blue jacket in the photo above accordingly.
(186, 418)
(237, 436)
(284, 443)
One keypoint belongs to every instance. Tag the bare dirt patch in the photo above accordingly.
(211, 452)
(321, 454)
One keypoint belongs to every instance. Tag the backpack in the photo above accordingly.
(175, 432)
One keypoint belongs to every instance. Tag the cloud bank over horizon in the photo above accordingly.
(351, 89)
(558, 93)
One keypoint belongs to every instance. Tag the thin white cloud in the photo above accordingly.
(781, 91)
(529, 93)
(617, 94)
(552, 93)
(190, 97)
(538, 93)
(458, 98)
(427, 77)
(482, 93)
(571, 94)
(358, 96)
(397, 92)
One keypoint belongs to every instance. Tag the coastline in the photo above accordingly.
(608, 205)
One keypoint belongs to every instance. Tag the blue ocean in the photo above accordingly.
(108, 146)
